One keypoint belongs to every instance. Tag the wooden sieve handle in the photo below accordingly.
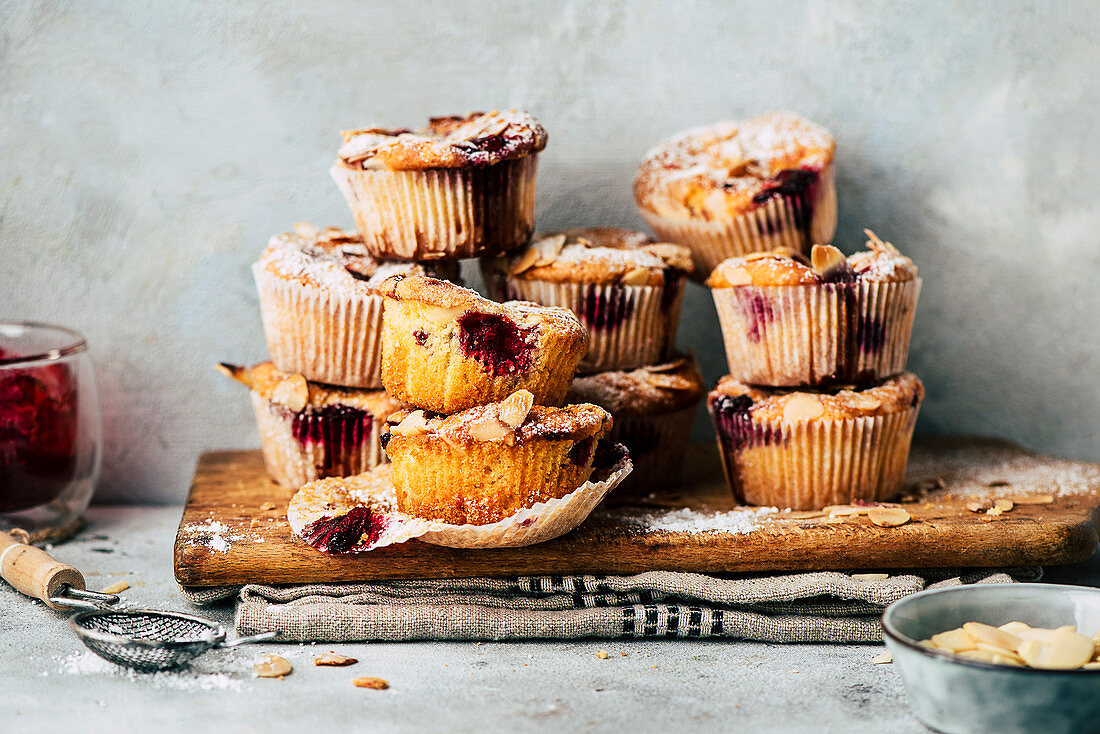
(35, 572)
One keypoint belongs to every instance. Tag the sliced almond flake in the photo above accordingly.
(976, 506)
(1003, 505)
(527, 260)
(1034, 499)
(882, 659)
(272, 666)
(334, 660)
(844, 510)
(378, 684)
(888, 517)
(870, 576)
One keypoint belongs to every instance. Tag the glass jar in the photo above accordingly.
(50, 429)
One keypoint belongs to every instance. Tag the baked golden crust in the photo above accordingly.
(477, 139)
(881, 262)
(503, 421)
(489, 462)
(893, 395)
(294, 392)
(716, 172)
(662, 388)
(333, 259)
(596, 255)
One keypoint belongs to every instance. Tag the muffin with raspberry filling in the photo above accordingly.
(484, 464)
(625, 288)
(462, 186)
(445, 348)
(309, 430)
(787, 320)
(733, 188)
(806, 449)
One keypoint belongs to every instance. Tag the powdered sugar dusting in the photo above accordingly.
(217, 536)
(226, 676)
(999, 470)
(732, 522)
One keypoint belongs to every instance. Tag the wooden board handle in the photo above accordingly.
(35, 572)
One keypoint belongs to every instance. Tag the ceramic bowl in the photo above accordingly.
(952, 694)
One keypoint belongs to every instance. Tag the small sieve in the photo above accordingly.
(150, 640)
(143, 639)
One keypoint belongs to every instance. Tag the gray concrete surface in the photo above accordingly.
(148, 150)
(49, 682)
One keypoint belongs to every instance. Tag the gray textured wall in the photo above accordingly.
(148, 150)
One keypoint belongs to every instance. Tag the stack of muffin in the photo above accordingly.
(817, 409)
(377, 355)
(459, 188)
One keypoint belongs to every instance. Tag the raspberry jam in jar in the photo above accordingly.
(49, 428)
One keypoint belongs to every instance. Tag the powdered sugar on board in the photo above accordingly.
(995, 469)
(217, 536)
(733, 522)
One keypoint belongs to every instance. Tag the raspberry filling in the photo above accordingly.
(757, 311)
(798, 186)
(582, 451)
(344, 534)
(673, 277)
(498, 343)
(606, 309)
(733, 423)
(421, 337)
(38, 430)
(340, 429)
(871, 334)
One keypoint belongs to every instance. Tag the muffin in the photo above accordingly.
(487, 463)
(321, 313)
(309, 430)
(733, 188)
(460, 187)
(808, 449)
(625, 288)
(355, 514)
(446, 349)
(789, 321)
(653, 408)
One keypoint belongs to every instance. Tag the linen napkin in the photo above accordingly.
(822, 606)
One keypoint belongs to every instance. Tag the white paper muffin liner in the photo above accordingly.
(807, 465)
(766, 227)
(657, 442)
(817, 334)
(335, 338)
(444, 213)
(643, 321)
(544, 521)
(292, 463)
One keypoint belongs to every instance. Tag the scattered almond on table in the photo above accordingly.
(273, 666)
(1019, 645)
(334, 660)
(118, 588)
(602, 655)
(269, 505)
(378, 684)
(882, 659)
(888, 517)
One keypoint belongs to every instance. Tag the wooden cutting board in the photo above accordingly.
(226, 535)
